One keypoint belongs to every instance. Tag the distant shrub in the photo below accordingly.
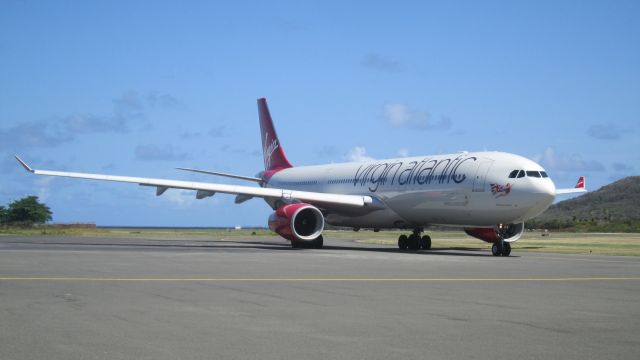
(26, 212)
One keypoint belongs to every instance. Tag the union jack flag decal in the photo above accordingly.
(500, 190)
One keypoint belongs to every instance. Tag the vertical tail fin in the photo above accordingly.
(274, 157)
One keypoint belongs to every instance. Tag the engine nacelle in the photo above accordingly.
(297, 222)
(510, 232)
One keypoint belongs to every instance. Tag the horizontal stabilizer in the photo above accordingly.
(579, 188)
(241, 177)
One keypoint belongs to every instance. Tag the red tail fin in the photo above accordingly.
(274, 157)
(580, 184)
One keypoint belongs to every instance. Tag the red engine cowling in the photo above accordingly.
(510, 232)
(297, 222)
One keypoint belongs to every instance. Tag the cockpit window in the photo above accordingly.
(544, 174)
(513, 174)
(533, 173)
(521, 174)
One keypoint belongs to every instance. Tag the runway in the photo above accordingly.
(240, 298)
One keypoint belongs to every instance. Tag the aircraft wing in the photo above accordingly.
(579, 188)
(209, 189)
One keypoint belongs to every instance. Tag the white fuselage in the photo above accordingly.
(464, 189)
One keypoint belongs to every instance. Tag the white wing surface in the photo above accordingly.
(208, 189)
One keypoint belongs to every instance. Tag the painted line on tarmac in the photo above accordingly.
(354, 279)
(582, 257)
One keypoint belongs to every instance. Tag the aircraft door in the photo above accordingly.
(481, 175)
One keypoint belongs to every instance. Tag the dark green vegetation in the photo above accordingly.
(25, 212)
(612, 208)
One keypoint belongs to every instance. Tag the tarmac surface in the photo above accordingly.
(257, 298)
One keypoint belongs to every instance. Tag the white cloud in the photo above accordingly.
(618, 166)
(397, 114)
(604, 132)
(382, 63)
(357, 154)
(153, 152)
(552, 160)
(127, 110)
(163, 100)
(43, 188)
(404, 152)
(400, 115)
(181, 198)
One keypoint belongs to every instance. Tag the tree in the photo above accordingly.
(27, 212)
(3, 215)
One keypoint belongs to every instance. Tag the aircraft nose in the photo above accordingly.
(543, 192)
(548, 188)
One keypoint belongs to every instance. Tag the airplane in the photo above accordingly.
(489, 194)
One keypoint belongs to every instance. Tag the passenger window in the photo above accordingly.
(513, 174)
(544, 174)
(521, 174)
(533, 174)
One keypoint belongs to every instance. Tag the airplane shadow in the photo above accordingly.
(201, 244)
(450, 251)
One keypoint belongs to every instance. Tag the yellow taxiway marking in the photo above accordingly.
(329, 279)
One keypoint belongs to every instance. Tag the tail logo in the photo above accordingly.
(269, 148)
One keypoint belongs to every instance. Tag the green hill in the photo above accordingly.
(614, 207)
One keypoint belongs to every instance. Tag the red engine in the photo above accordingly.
(510, 233)
(300, 223)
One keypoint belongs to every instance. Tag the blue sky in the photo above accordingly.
(141, 87)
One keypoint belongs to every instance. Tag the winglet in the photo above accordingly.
(581, 183)
(24, 164)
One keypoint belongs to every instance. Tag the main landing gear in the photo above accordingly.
(414, 241)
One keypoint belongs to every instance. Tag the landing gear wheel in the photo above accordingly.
(414, 242)
(402, 242)
(506, 249)
(425, 242)
(495, 249)
(317, 243)
(297, 244)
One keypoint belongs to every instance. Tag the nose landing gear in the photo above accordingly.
(501, 247)
(414, 241)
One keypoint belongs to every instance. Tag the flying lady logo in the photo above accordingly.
(268, 150)
(500, 190)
